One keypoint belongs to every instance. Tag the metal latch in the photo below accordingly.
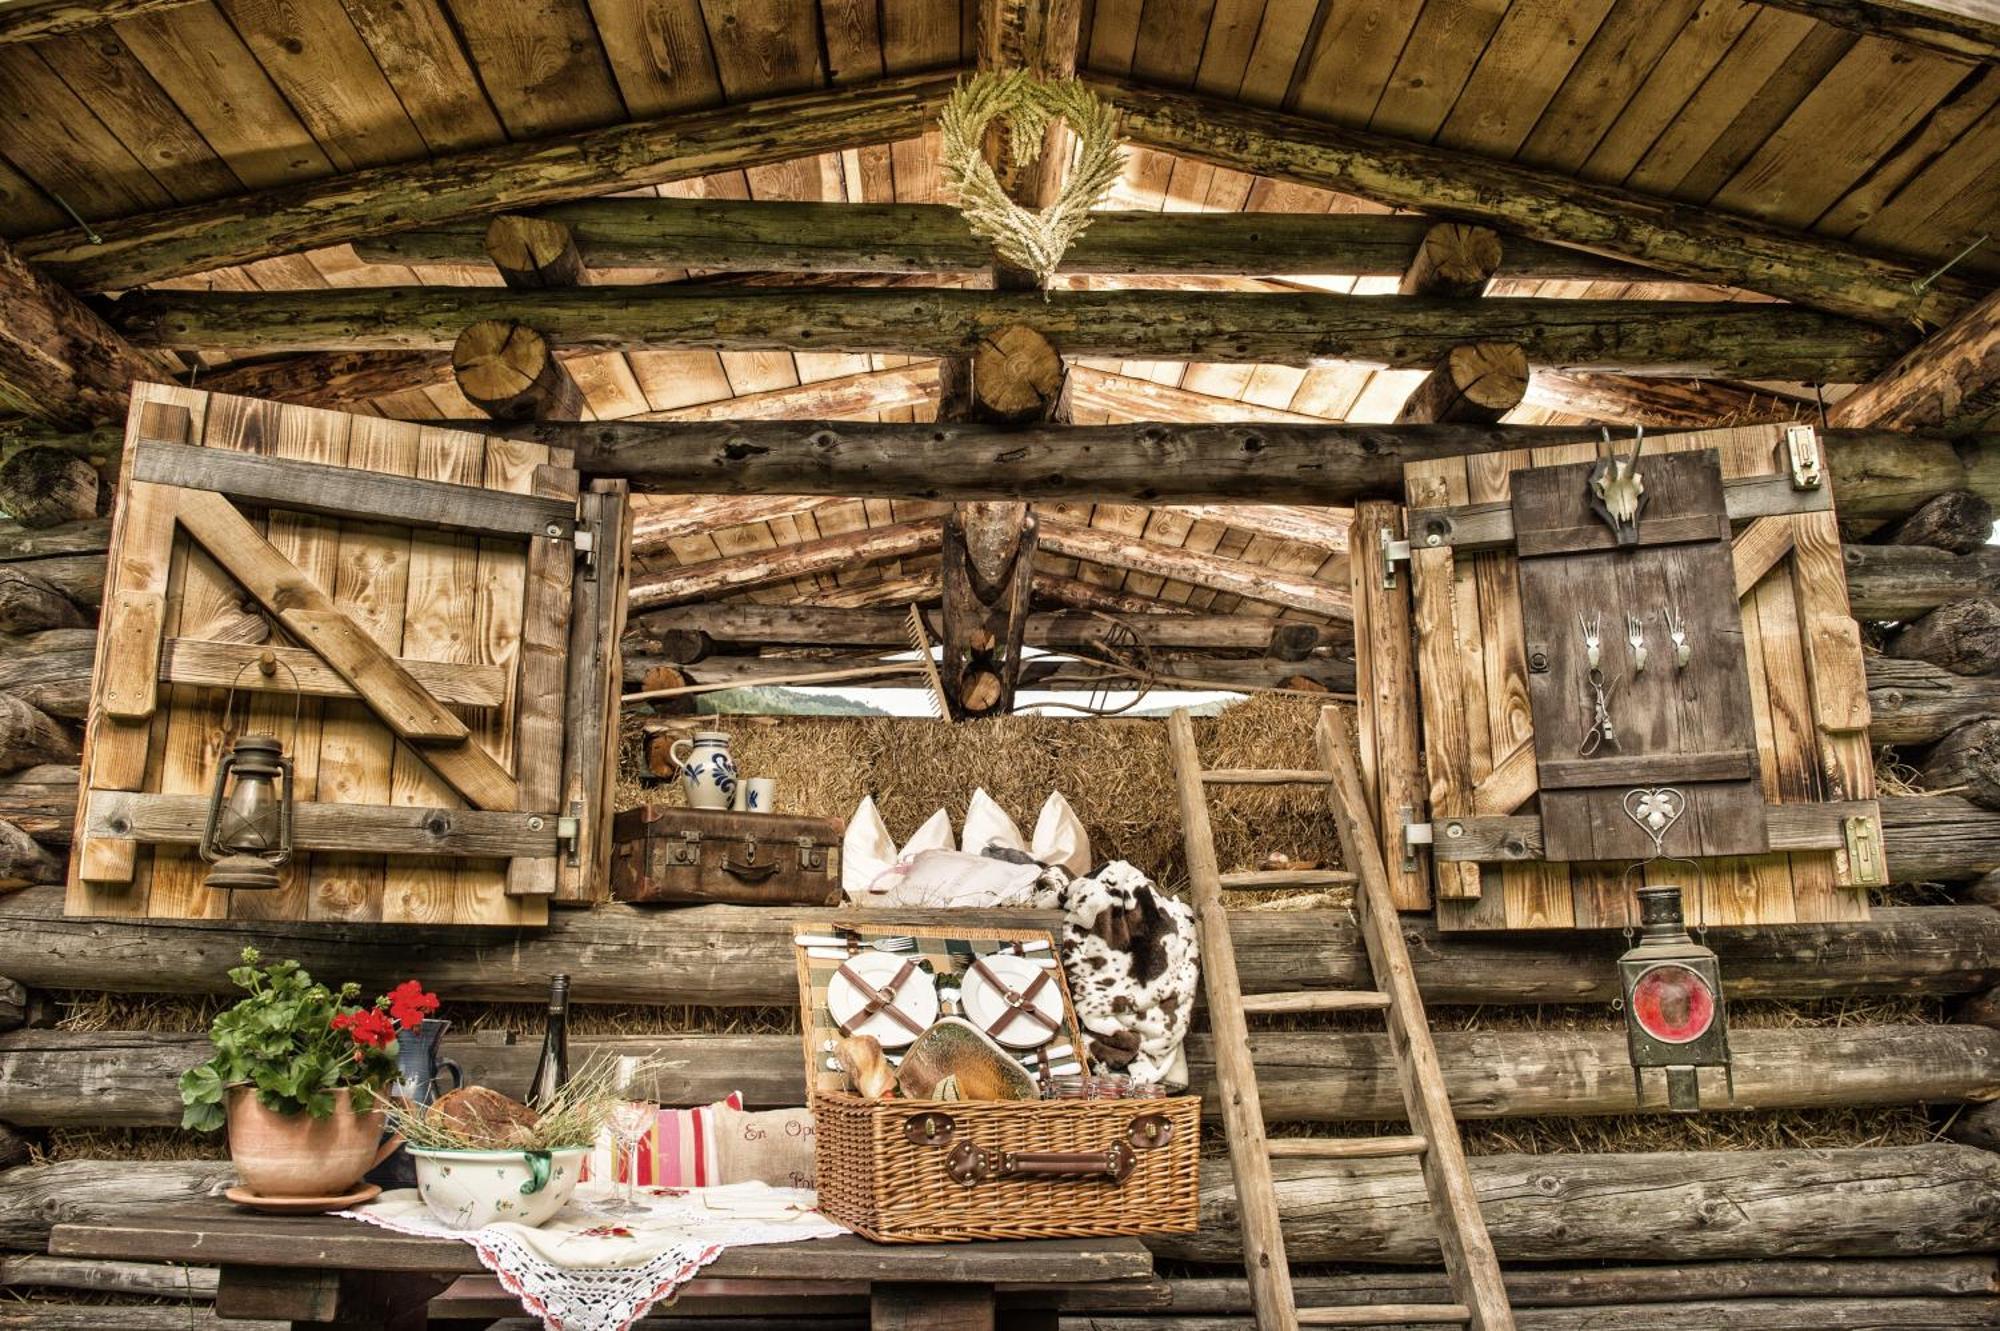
(1394, 551)
(811, 856)
(1802, 455)
(586, 542)
(569, 834)
(1415, 834)
(686, 852)
(1865, 865)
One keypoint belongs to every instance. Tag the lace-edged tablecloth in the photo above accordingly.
(583, 1271)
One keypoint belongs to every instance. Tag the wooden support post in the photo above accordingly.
(1386, 698)
(59, 362)
(1474, 383)
(533, 253)
(1650, 400)
(510, 371)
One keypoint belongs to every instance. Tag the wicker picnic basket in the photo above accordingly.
(933, 1171)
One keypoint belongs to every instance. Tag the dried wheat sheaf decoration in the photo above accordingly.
(1024, 237)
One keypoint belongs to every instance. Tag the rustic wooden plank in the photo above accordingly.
(1757, 549)
(115, 752)
(190, 732)
(1948, 382)
(59, 361)
(478, 182)
(128, 687)
(539, 716)
(1734, 340)
(1461, 1230)
(218, 664)
(1444, 708)
(1256, 582)
(177, 820)
(356, 750)
(347, 492)
(590, 725)
(1832, 643)
(37, 20)
(1385, 689)
(745, 572)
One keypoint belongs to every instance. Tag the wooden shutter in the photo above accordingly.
(420, 585)
(1802, 666)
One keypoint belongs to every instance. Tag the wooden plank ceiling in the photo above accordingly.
(1744, 107)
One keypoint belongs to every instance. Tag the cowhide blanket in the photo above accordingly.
(1130, 954)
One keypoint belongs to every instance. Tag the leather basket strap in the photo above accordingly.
(881, 1000)
(1018, 1005)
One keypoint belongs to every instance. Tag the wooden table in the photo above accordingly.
(319, 1273)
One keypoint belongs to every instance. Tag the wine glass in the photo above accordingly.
(629, 1122)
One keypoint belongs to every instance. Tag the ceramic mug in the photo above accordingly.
(708, 773)
(763, 796)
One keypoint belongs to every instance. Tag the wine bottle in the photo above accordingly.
(552, 1068)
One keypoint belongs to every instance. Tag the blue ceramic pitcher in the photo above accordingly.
(418, 1066)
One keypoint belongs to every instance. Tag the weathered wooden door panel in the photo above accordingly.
(1785, 640)
(416, 606)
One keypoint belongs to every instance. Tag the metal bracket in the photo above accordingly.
(569, 833)
(1415, 834)
(1393, 552)
(1865, 865)
(586, 541)
(1802, 457)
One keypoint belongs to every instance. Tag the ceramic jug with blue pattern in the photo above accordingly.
(708, 772)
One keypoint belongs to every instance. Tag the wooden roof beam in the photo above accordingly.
(1689, 239)
(1255, 582)
(762, 568)
(824, 626)
(1950, 382)
(38, 20)
(59, 362)
(1729, 340)
(196, 237)
(1969, 29)
(1878, 474)
(1630, 399)
(904, 238)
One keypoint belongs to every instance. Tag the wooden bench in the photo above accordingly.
(320, 1273)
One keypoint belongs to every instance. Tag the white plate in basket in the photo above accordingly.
(916, 998)
(986, 1006)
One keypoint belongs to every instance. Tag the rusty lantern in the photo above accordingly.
(248, 835)
(1674, 1016)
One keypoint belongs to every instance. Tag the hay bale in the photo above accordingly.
(1115, 772)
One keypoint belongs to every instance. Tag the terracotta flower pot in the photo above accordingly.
(297, 1155)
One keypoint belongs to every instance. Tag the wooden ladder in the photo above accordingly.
(1433, 1137)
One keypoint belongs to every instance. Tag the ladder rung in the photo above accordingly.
(1265, 776)
(1316, 1000)
(1260, 878)
(1386, 1314)
(1346, 1148)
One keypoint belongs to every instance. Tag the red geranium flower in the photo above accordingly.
(409, 1004)
(367, 1026)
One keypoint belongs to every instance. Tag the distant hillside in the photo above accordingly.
(764, 700)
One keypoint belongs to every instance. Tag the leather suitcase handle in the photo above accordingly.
(970, 1164)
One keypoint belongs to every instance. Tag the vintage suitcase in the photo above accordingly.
(668, 853)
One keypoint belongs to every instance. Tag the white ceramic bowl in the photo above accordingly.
(472, 1189)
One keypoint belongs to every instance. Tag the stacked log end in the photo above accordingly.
(51, 576)
(1961, 637)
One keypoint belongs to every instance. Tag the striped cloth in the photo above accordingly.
(679, 1152)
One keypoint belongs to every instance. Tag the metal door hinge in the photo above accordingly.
(1415, 834)
(1865, 865)
(1394, 551)
(569, 834)
(1802, 457)
(586, 542)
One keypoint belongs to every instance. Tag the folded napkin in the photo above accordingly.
(586, 1272)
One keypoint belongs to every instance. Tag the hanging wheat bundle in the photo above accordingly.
(1024, 237)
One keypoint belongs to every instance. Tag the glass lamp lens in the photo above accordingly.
(1673, 1004)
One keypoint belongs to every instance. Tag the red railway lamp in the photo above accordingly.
(1674, 1014)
